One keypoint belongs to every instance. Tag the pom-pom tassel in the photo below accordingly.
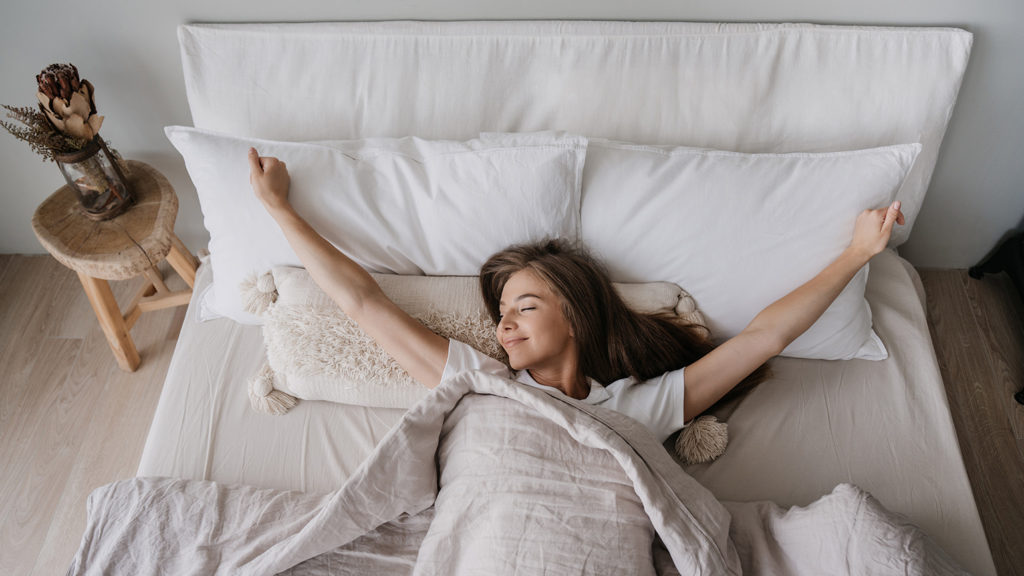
(702, 440)
(258, 293)
(264, 397)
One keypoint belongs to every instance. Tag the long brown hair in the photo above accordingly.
(613, 341)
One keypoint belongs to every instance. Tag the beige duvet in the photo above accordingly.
(486, 476)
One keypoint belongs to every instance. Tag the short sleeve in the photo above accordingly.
(462, 357)
(657, 402)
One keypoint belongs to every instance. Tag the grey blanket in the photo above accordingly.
(486, 476)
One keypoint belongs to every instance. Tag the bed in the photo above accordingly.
(881, 424)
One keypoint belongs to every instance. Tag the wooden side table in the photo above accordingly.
(118, 249)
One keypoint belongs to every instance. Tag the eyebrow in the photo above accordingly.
(521, 296)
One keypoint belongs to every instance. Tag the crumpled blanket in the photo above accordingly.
(487, 476)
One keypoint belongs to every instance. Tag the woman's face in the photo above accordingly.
(532, 329)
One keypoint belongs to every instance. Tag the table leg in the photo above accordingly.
(112, 322)
(183, 262)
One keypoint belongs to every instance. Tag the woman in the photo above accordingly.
(542, 322)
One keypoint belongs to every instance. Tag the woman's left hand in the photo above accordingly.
(874, 228)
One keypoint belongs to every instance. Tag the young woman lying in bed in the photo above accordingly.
(564, 326)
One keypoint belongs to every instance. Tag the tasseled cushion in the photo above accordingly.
(702, 440)
(264, 397)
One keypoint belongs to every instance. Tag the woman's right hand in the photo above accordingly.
(270, 180)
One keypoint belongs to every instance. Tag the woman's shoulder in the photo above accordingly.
(462, 357)
(656, 402)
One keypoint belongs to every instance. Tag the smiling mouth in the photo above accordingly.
(511, 342)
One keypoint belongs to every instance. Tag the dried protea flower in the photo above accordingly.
(67, 101)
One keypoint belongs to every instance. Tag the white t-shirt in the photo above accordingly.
(657, 403)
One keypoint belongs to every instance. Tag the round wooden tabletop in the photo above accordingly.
(116, 249)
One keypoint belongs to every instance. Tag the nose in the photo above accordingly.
(506, 323)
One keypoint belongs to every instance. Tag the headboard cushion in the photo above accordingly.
(740, 87)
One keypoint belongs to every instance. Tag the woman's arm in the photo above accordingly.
(775, 327)
(421, 352)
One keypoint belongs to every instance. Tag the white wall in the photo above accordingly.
(129, 51)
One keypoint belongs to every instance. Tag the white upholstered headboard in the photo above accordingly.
(742, 87)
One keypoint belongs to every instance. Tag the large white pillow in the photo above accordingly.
(394, 205)
(740, 230)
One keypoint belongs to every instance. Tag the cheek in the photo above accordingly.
(556, 327)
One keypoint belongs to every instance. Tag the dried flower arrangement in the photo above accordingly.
(65, 129)
(66, 120)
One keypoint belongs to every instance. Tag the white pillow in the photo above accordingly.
(740, 230)
(401, 206)
(315, 352)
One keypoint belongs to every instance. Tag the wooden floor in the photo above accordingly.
(71, 420)
(978, 330)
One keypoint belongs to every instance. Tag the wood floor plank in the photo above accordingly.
(5, 259)
(78, 317)
(38, 458)
(14, 289)
(126, 404)
(176, 323)
(987, 442)
(24, 344)
(25, 290)
(1000, 313)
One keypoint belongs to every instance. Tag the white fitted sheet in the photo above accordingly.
(204, 427)
(884, 426)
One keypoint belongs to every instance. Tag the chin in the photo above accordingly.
(516, 363)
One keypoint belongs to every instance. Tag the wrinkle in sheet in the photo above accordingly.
(304, 451)
(827, 387)
(221, 401)
(215, 370)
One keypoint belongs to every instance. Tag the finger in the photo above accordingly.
(893, 211)
(254, 161)
(891, 216)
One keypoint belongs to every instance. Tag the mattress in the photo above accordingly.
(204, 427)
(884, 426)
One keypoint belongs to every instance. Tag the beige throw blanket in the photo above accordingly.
(486, 476)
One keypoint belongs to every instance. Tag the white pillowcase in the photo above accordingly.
(401, 206)
(740, 230)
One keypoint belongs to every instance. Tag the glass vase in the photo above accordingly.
(96, 177)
